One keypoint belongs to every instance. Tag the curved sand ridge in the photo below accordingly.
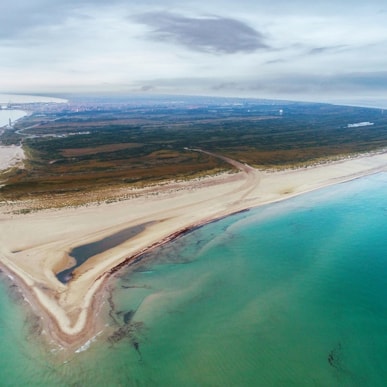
(34, 247)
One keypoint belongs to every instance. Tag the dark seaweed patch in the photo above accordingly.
(128, 332)
(135, 287)
(335, 357)
(128, 316)
(127, 329)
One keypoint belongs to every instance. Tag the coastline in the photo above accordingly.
(11, 114)
(35, 246)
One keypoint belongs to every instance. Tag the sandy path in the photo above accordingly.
(252, 175)
(34, 247)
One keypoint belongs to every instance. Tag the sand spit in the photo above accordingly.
(36, 246)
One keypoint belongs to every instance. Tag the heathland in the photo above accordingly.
(84, 147)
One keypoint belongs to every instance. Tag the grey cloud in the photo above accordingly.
(225, 86)
(322, 50)
(301, 51)
(281, 85)
(340, 83)
(20, 17)
(373, 80)
(212, 34)
(275, 61)
(146, 88)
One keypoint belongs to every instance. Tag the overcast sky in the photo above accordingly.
(298, 49)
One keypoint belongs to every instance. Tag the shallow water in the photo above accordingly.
(292, 293)
(13, 115)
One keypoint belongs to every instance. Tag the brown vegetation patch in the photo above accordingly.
(164, 154)
(74, 152)
(285, 158)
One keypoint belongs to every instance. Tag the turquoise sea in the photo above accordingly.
(288, 294)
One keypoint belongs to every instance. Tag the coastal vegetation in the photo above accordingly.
(74, 151)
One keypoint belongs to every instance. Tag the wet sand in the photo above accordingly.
(36, 246)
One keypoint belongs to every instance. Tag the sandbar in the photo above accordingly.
(36, 246)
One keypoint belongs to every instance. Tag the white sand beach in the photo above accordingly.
(35, 246)
(11, 156)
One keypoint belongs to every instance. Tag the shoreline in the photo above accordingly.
(33, 247)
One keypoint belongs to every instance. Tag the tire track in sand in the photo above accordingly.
(253, 176)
